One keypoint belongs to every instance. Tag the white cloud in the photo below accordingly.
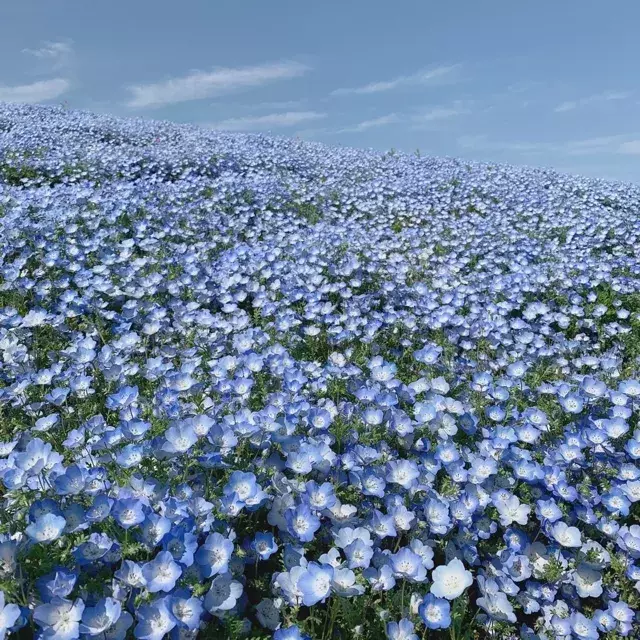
(271, 120)
(365, 125)
(58, 54)
(608, 96)
(440, 113)
(437, 74)
(197, 85)
(631, 147)
(602, 145)
(285, 104)
(41, 91)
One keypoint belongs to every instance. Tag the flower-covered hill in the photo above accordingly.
(260, 387)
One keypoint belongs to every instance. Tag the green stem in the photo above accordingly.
(334, 613)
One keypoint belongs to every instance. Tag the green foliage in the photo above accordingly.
(308, 211)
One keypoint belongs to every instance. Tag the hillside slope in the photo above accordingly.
(252, 383)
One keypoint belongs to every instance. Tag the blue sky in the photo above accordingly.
(545, 83)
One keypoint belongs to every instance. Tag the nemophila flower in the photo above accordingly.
(223, 594)
(319, 497)
(128, 512)
(402, 630)
(99, 509)
(122, 399)
(380, 579)
(290, 633)
(161, 573)
(181, 544)
(344, 583)
(382, 525)
(268, 614)
(495, 603)
(588, 582)
(511, 510)
(565, 535)
(264, 545)
(179, 439)
(402, 472)
(370, 481)
(583, 627)
(9, 614)
(616, 502)
(187, 611)
(571, 403)
(424, 551)
(131, 574)
(424, 412)
(450, 580)
(435, 612)
(154, 528)
(315, 583)
(130, 456)
(60, 618)
(604, 621)
(46, 528)
(619, 610)
(302, 523)
(408, 565)
(358, 553)
(630, 388)
(59, 583)
(242, 484)
(96, 620)
(155, 620)
(437, 516)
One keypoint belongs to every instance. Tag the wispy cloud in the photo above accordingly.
(429, 76)
(374, 123)
(197, 85)
(440, 113)
(41, 91)
(284, 104)
(631, 147)
(271, 120)
(415, 120)
(58, 54)
(614, 144)
(608, 96)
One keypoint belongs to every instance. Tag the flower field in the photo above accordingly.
(261, 388)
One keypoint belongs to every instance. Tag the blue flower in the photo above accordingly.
(302, 523)
(264, 545)
(319, 497)
(59, 583)
(161, 573)
(155, 620)
(9, 614)
(315, 583)
(223, 594)
(214, 555)
(290, 633)
(96, 620)
(402, 630)
(60, 618)
(46, 528)
(408, 565)
(187, 611)
(450, 580)
(435, 612)
(128, 512)
(179, 439)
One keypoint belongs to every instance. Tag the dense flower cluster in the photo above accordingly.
(253, 387)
